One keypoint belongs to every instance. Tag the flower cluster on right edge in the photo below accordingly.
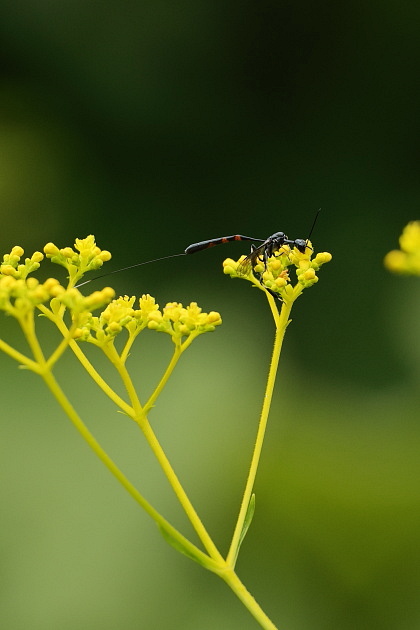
(406, 260)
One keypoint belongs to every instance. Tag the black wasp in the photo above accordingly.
(264, 251)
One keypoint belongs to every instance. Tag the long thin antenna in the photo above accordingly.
(147, 262)
(313, 225)
(196, 247)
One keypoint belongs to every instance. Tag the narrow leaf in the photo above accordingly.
(190, 551)
(247, 522)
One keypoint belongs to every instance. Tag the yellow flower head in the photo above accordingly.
(11, 265)
(87, 257)
(119, 314)
(274, 274)
(407, 259)
(19, 293)
(19, 296)
(173, 319)
(179, 321)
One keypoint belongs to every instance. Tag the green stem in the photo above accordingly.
(27, 324)
(281, 320)
(62, 346)
(111, 353)
(179, 491)
(131, 339)
(87, 364)
(18, 356)
(175, 357)
(179, 349)
(162, 458)
(247, 599)
(120, 402)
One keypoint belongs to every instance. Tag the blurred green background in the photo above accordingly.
(154, 125)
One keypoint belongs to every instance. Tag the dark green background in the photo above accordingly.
(154, 125)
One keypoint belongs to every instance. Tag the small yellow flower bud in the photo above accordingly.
(51, 250)
(37, 257)
(276, 264)
(31, 283)
(322, 258)
(230, 266)
(395, 260)
(213, 317)
(280, 282)
(50, 283)
(8, 270)
(259, 267)
(309, 274)
(105, 255)
(39, 294)
(17, 251)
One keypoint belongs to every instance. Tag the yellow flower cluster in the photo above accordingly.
(180, 321)
(118, 314)
(88, 256)
(407, 259)
(19, 296)
(275, 275)
(77, 303)
(11, 265)
(173, 319)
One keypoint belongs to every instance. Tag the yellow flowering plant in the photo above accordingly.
(406, 260)
(282, 278)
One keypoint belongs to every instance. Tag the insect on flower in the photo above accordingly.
(264, 251)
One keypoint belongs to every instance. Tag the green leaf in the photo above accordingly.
(188, 549)
(247, 522)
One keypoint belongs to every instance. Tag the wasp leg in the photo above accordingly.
(273, 293)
